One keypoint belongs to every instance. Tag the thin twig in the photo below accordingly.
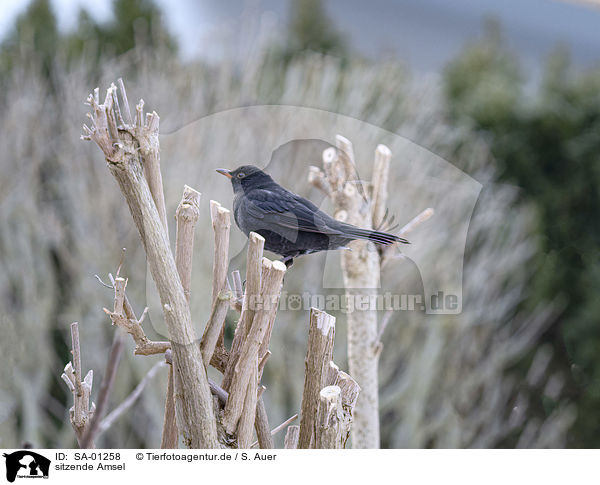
(122, 408)
(218, 391)
(120, 120)
(263, 361)
(415, 221)
(102, 282)
(213, 327)
(81, 412)
(123, 317)
(277, 429)
(387, 252)
(108, 380)
(121, 261)
(387, 317)
(128, 118)
(238, 291)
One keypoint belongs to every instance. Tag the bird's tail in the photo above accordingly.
(377, 237)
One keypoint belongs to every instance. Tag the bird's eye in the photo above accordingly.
(241, 175)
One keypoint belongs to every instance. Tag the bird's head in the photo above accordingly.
(246, 177)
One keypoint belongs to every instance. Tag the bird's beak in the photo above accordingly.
(224, 171)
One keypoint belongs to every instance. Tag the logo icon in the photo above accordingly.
(27, 464)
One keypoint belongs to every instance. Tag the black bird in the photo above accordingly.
(290, 224)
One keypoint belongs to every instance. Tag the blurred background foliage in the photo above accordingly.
(484, 116)
(548, 144)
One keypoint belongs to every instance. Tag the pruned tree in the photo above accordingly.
(329, 395)
(201, 412)
(363, 205)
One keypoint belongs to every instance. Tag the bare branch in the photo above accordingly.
(272, 276)
(121, 261)
(237, 284)
(422, 217)
(318, 355)
(329, 417)
(261, 423)
(149, 148)
(237, 291)
(81, 412)
(349, 393)
(345, 153)
(317, 178)
(291, 437)
(253, 275)
(139, 115)
(120, 284)
(128, 118)
(218, 391)
(170, 435)
(102, 282)
(277, 429)
(136, 154)
(263, 361)
(120, 120)
(215, 389)
(387, 253)
(213, 327)
(132, 325)
(129, 401)
(120, 317)
(221, 223)
(213, 331)
(381, 170)
(385, 321)
(248, 415)
(108, 380)
(186, 215)
(361, 272)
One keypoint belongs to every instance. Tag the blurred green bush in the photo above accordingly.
(545, 138)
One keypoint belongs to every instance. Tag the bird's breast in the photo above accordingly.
(238, 200)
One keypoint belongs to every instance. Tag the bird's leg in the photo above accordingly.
(288, 261)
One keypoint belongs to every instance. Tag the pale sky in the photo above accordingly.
(426, 34)
(178, 19)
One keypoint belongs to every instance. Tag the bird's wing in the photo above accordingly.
(288, 211)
